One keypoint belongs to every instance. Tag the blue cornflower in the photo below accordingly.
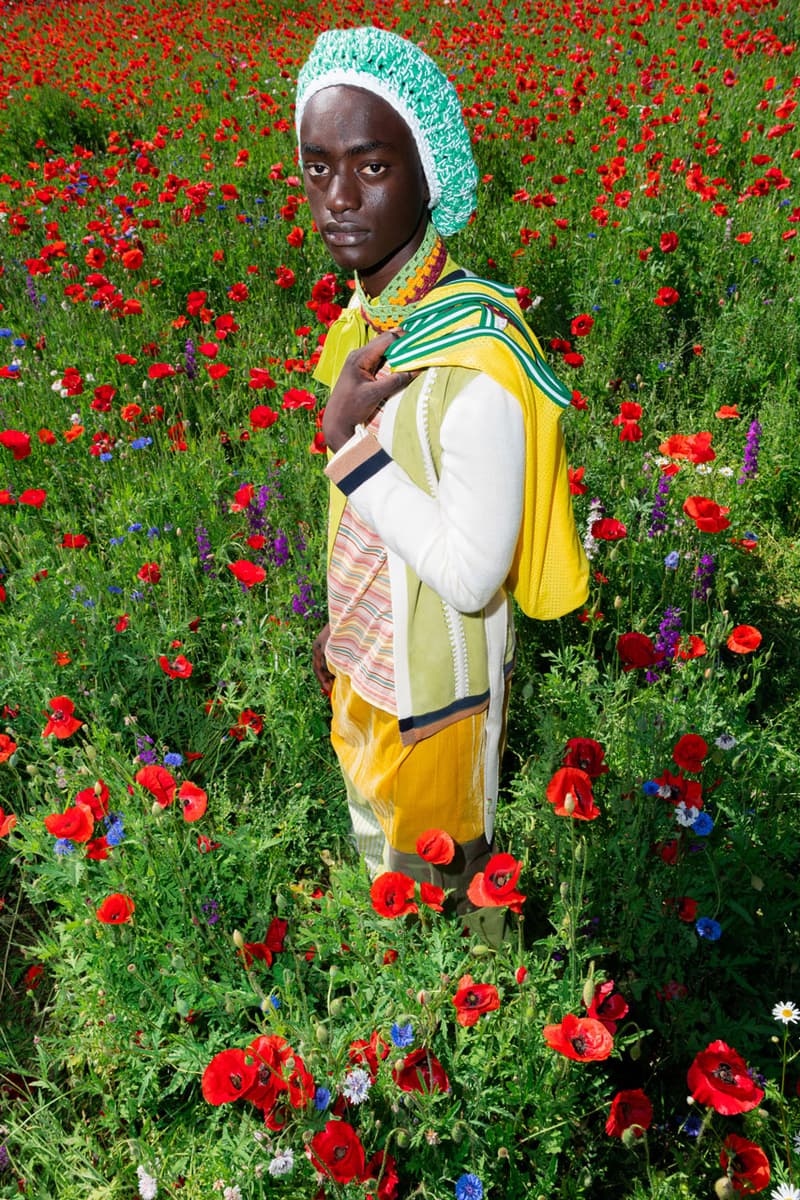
(116, 541)
(152, 532)
(173, 759)
(5, 333)
(402, 1035)
(702, 824)
(114, 590)
(63, 846)
(650, 787)
(135, 527)
(322, 1099)
(141, 443)
(115, 829)
(692, 1125)
(19, 342)
(672, 560)
(106, 457)
(137, 595)
(469, 1187)
(708, 928)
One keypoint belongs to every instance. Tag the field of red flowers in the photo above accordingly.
(201, 990)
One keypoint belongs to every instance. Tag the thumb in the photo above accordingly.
(389, 382)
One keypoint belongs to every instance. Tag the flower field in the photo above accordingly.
(201, 990)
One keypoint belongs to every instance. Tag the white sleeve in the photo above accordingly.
(461, 541)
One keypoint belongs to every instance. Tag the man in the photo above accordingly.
(449, 486)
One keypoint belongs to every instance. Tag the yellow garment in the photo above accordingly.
(549, 574)
(435, 784)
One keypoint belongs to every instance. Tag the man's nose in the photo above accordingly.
(342, 194)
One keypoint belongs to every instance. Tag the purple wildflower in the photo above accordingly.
(658, 516)
(303, 603)
(704, 576)
(750, 460)
(189, 359)
(205, 552)
(280, 549)
(669, 633)
(596, 510)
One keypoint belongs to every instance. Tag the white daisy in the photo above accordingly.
(785, 1191)
(786, 1012)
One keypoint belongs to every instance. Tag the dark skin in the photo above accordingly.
(369, 199)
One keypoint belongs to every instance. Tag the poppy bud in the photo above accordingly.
(402, 1138)
(157, 810)
(423, 997)
(521, 974)
(502, 1152)
(630, 1136)
(618, 602)
(480, 951)
(756, 883)
(336, 1006)
(238, 940)
(635, 1051)
(91, 754)
(321, 1033)
(32, 770)
(564, 891)
(569, 803)
(588, 987)
(458, 1132)
(724, 1188)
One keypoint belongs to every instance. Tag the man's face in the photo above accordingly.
(364, 182)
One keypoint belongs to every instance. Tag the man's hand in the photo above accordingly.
(319, 663)
(360, 390)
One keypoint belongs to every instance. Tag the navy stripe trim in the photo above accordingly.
(376, 462)
(421, 721)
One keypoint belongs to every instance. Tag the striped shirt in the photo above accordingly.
(360, 611)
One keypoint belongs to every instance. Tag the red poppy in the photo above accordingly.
(690, 647)
(636, 650)
(247, 720)
(581, 1038)
(228, 1076)
(744, 639)
(33, 976)
(337, 1152)
(436, 847)
(587, 755)
(495, 887)
(261, 417)
(178, 668)
(694, 447)
(421, 1071)
(629, 1110)
(719, 1078)
(34, 497)
(194, 800)
(75, 823)
(727, 411)
(7, 747)
(746, 1164)
(367, 1054)
(665, 297)
(149, 573)
(607, 1006)
(581, 325)
(98, 848)
(576, 485)
(242, 498)
(392, 894)
(116, 909)
(74, 541)
(18, 442)
(685, 908)
(7, 823)
(432, 897)
(95, 798)
(61, 724)
(248, 573)
(570, 791)
(251, 952)
(607, 529)
(708, 516)
(384, 1168)
(298, 398)
(158, 782)
(160, 370)
(473, 999)
(689, 752)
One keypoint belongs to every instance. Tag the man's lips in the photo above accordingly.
(345, 235)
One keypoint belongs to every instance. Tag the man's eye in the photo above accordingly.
(374, 169)
(316, 168)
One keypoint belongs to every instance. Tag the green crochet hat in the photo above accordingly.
(406, 78)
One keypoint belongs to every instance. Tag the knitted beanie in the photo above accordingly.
(409, 81)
